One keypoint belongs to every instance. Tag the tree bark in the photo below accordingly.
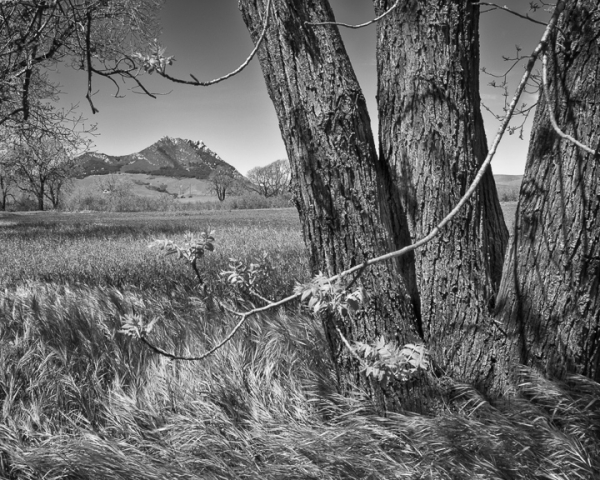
(340, 187)
(549, 297)
(432, 138)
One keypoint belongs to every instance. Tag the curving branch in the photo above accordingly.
(542, 45)
(551, 110)
(229, 336)
(361, 25)
(198, 83)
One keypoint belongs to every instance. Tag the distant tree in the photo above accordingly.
(114, 185)
(7, 185)
(59, 185)
(270, 180)
(43, 165)
(223, 181)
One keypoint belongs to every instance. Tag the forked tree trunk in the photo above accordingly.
(432, 138)
(337, 181)
(549, 297)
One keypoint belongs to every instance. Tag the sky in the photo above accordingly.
(236, 118)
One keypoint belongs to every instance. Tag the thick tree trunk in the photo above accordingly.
(549, 297)
(338, 183)
(432, 138)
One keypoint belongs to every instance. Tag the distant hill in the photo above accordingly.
(513, 180)
(508, 187)
(171, 157)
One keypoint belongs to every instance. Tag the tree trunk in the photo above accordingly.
(549, 297)
(432, 138)
(40, 195)
(338, 183)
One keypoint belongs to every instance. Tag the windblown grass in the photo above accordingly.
(78, 400)
(111, 249)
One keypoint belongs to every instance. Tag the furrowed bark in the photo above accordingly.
(338, 182)
(432, 139)
(549, 297)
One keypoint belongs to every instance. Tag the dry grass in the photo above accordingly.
(80, 401)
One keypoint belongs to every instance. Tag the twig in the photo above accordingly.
(506, 9)
(361, 25)
(359, 273)
(551, 110)
(204, 355)
(197, 83)
(258, 295)
(398, 253)
(349, 347)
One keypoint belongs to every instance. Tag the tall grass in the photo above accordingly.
(78, 400)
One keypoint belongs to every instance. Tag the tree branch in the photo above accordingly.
(506, 9)
(361, 25)
(88, 58)
(197, 83)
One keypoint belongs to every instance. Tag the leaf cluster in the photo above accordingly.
(387, 361)
(324, 295)
(243, 274)
(134, 325)
(193, 248)
(156, 60)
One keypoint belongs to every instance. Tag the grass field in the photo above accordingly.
(79, 400)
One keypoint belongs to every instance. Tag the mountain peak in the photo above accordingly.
(174, 157)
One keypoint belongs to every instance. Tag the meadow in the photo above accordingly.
(79, 400)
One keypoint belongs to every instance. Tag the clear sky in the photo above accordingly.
(236, 118)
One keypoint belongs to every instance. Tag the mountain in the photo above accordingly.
(172, 157)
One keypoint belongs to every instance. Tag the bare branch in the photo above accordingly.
(204, 355)
(197, 83)
(506, 9)
(349, 347)
(551, 110)
(361, 25)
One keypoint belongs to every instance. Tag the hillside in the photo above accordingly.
(508, 180)
(508, 187)
(171, 157)
(146, 185)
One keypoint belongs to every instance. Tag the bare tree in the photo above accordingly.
(271, 180)
(43, 165)
(8, 185)
(223, 181)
